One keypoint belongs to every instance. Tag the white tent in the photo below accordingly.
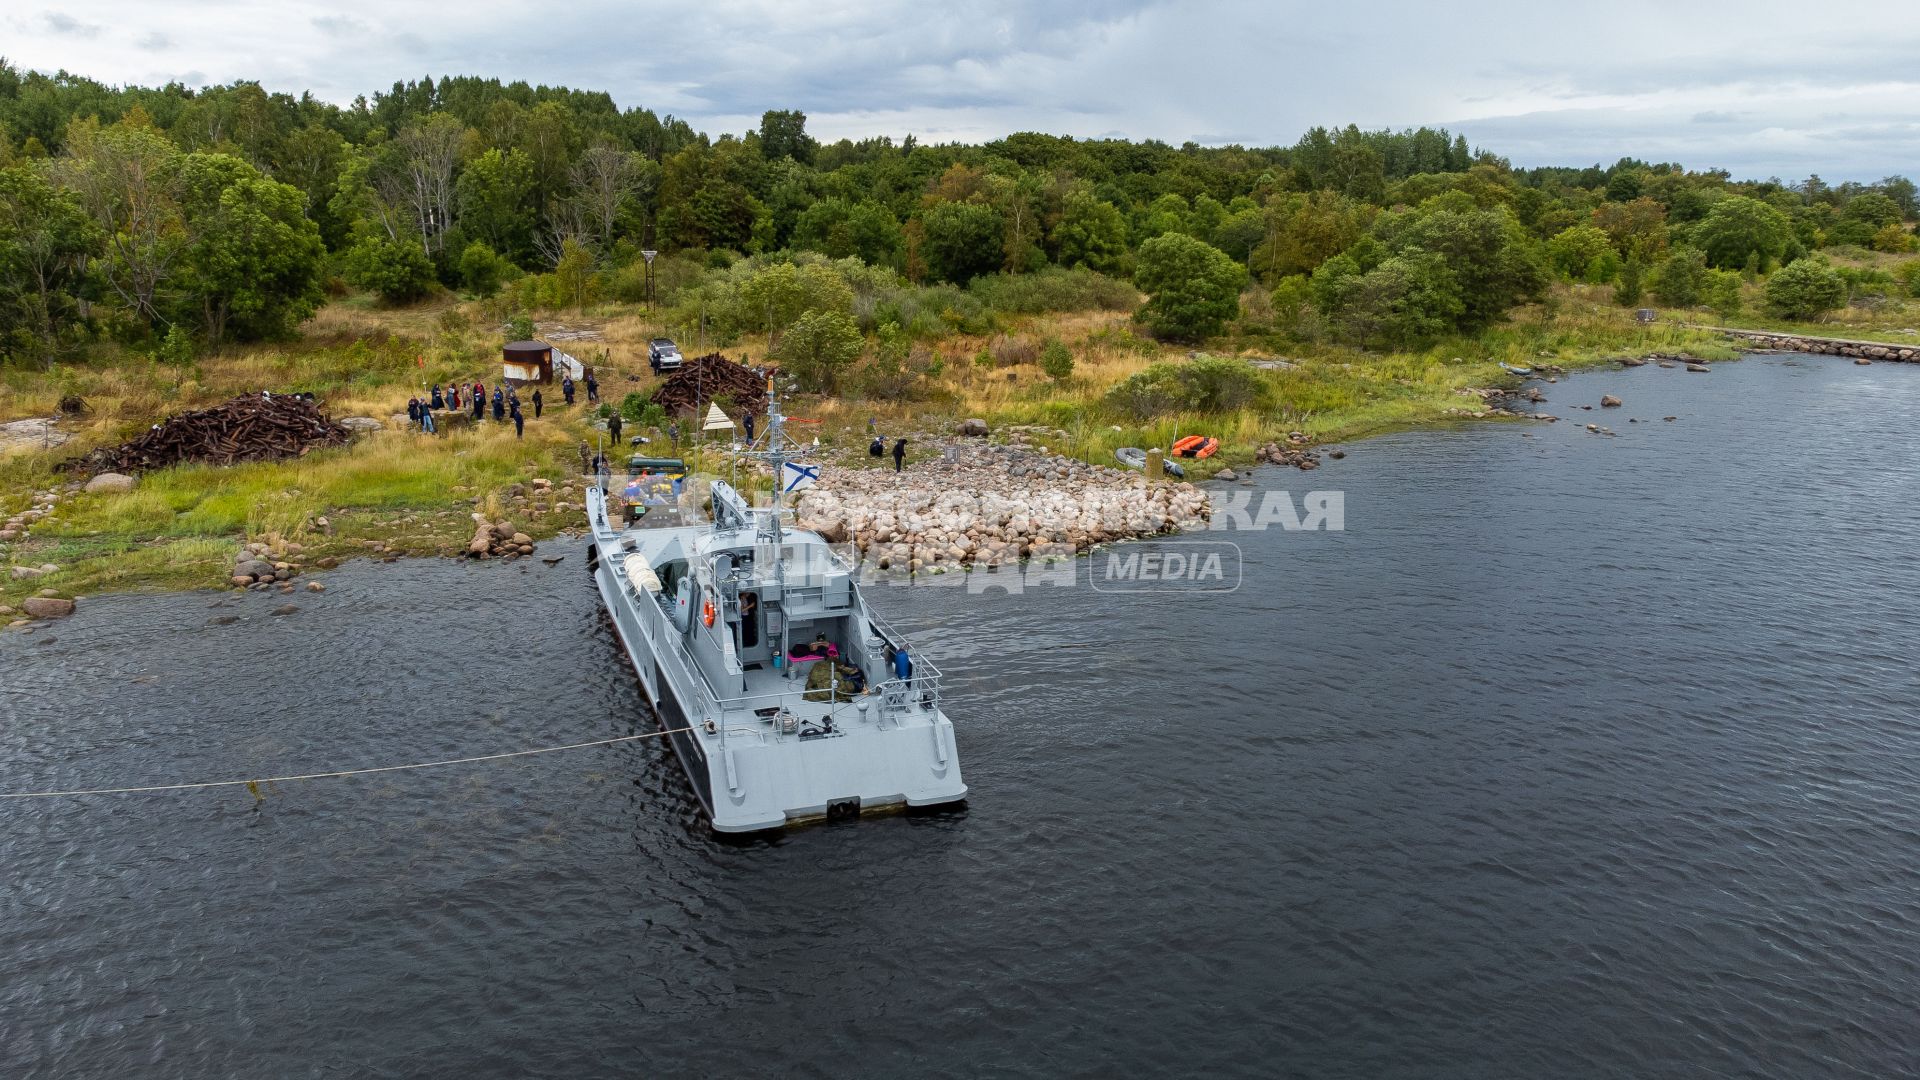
(716, 420)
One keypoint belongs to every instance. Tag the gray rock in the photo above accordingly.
(1608, 401)
(47, 607)
(975, 427)
(112, 482)
(1698, 367)
(254, 568)
(1226, 474)
(284, 609)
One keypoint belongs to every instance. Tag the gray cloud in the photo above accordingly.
(67, 25)
(1538, 84)
(339, 25)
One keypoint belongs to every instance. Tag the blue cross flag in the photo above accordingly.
(800, 477)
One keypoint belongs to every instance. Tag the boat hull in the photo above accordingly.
(760, 781)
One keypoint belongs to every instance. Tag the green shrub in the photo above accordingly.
(1056, 359)
(1722, 293)
(1908, 274)
(482, 271)
(1679, 281)
(1051, 290)
(1805, 288)
(397, 271)
(1209, 384)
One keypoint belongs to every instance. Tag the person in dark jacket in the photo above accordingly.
(413, 410)
(519, 422)
(613, 429)
(593, 389)
(899, 455)
(878, 447)
(536, 404)
(453, 396)
(499, 404)
(746, 422)
(479, 402)
(566, 389)
(438, 401)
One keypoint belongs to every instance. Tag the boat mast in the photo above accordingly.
(777, 457)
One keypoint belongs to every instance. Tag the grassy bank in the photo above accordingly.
(397, 492)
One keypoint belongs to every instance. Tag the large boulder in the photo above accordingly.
(975, 427)
(1608, 401)
(47, 607)
(112, 482)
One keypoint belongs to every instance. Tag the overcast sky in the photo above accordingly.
(1759, 88)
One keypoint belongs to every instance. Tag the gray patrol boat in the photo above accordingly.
(725, 622)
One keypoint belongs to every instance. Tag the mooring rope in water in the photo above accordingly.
(254, 784)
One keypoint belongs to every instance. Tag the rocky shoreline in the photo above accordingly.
(1859, 350)
(992, 505)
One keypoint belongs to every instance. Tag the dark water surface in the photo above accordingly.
(1572, 756)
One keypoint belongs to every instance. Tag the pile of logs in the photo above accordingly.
(246, 428)
(704, 378)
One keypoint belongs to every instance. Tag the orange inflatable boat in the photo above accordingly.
(1196, 446)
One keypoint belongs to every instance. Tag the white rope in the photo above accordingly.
(339, 772)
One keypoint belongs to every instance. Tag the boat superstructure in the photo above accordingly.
(726, 622)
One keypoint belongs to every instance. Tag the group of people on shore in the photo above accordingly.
(458, 397)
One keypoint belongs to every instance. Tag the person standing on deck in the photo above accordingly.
(899, 455)
(536, 403)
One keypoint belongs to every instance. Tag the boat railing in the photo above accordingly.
(662, 632)
(888, 635)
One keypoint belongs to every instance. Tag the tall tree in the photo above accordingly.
(1193, 289)
(1739, 229)
(46, 240)
(421, 176)
(494, 195)
(603, 179)
(126, 176)
(253, 267)
(783, 134)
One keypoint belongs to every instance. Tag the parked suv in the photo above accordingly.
(663, 355)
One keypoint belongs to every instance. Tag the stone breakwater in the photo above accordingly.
(992, 506)
(1860, 350)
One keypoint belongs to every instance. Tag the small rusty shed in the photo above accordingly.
(527, 362)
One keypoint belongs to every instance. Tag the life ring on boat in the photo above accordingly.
(706, 612)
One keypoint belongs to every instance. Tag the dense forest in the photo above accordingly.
(168, 220)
